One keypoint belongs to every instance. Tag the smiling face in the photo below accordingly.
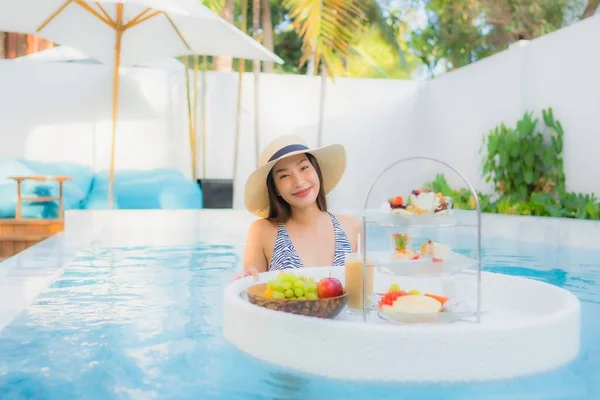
(295, 182)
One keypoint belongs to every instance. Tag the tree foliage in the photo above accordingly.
(384, 38)
(469, 30)
(328, 28)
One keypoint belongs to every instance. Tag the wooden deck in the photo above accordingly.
(19, 234)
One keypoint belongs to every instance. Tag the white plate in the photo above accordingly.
(386, 217)
(425, 318)
(452, 264)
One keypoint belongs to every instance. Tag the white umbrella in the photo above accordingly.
(69, 55)
(130, 32)
(145, 30)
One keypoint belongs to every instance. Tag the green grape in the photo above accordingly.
(289, 293)
(394, 288)
(311, 279)
(310, 287)
(301, 298)
(311, 296)
(299, 292)
(278, 295)
(299, 284)
(276, 285)
(286, 285)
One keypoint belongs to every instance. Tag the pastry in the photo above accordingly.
(421, 202)
(437, 251)
(401, 247)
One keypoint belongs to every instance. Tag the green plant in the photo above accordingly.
(526, 159)
(525, 165)
(577, 205)
(462, 198)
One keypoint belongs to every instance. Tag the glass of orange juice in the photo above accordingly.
(354, 282)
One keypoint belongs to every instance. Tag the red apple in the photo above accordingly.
(329, 287)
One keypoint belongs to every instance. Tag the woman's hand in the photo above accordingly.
(250, 271)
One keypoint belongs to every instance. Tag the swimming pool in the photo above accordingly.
(137, 315)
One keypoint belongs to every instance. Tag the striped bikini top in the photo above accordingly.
(285, 255)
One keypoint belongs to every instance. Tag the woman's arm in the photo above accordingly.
(254, 256)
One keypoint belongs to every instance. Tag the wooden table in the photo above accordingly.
(59, 179)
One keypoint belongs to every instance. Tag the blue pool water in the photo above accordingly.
(145, 323)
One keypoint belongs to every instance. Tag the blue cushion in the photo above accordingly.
(151, 189)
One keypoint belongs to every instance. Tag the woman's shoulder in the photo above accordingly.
(352, 227)
(350, 223)
(262, 225)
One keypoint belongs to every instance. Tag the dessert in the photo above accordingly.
(401, 247)
(417, 304)
(437, 251)
(421, 203)
(412, 302)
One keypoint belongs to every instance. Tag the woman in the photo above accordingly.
(288, 191)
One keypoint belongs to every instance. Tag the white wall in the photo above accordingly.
(559, 70)
(367, 116)
(562, 72)
(61, 111)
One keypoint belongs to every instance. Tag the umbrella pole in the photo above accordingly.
(204, 66)
(195, 139)
(191, 130)
(115, 106)
(238, 120)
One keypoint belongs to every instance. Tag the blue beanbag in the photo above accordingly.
(154, 189)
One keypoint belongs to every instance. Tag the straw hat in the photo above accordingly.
(331, 159)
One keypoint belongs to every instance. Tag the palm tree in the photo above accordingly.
(590, 8)
(327, 28)
(226, 10)
(267, 29)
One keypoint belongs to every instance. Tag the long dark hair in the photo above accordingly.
(280, 210)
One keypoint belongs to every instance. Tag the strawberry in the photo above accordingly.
(396, 202)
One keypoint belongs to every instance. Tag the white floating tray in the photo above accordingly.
(452, 264)
(528, 327)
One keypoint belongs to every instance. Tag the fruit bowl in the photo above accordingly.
(329, 307)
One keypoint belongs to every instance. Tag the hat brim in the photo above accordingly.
(331, 160)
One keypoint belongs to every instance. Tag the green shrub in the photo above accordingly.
(525, 166)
